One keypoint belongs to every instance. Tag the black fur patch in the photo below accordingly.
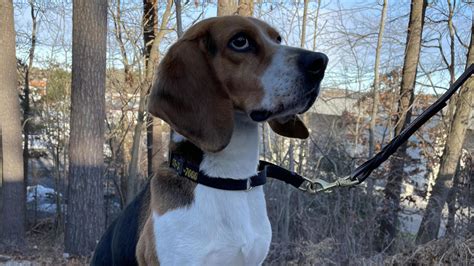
(117, 245)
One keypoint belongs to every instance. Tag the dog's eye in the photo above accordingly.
(240, 43)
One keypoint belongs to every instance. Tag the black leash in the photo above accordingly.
(313, 185)
(363, 171)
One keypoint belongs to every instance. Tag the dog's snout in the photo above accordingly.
(312, 63)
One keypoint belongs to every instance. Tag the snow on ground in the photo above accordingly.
(40, 193)
(44, 197)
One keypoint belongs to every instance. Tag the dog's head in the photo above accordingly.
(227, 64)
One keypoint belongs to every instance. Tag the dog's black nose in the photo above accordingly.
(312, 64)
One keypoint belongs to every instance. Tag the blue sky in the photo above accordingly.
(351, 57)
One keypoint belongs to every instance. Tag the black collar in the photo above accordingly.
(191, 171)
(186, 168)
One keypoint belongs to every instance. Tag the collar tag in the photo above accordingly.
(177, 164)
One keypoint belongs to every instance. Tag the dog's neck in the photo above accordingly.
(238, 160)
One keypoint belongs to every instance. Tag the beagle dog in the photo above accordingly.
(215, 85)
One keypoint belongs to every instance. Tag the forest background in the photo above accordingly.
(389, 60)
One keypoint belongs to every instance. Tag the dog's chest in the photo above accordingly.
(220, 227)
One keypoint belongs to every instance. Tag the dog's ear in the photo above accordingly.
(187, 95)
(290, 126)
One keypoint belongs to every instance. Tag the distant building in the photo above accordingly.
(38, 88)
(330, 111)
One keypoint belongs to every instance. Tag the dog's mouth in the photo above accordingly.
(260, 115)
(311, 99)
(263, 114)
(301, 106)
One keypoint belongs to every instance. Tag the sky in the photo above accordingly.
(347, 32)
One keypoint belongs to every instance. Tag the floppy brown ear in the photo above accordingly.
(290, 126)
(187, 95)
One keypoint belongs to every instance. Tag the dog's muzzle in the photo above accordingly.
(310, 71)
(313, 66)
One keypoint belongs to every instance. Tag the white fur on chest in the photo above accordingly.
(219, 227)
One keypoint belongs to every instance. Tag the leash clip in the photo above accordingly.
(316, 185)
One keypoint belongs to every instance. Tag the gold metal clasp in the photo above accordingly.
(319, 185)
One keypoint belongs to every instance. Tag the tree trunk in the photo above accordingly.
(85, 212)
(391, 204)
(226, 7)
(26, 102)
(179, 22)
(470, 197)
(1, 169)
(149, 21)
(430, 223)
(150, 24)
(375, 92)
(12, 228)
(130, 81)
(451, 201)
(303, 143)
(287, 191)
(133, 169)
(303, 25)
(316, 25)
(245, 8)
(451, 64)
(154, 133)
(152, 38)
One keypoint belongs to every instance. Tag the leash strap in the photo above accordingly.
(363, 171)
(191, 171)
(300, 182)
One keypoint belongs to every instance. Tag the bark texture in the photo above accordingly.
(149, 21)
(26, 100)
(376, 85)
(245, 8)
(153, 34)
(375, 91)
(85, 213)
(12, 212)
(389, 217)
(153, 131)
(303, 25)
(430, 223)
(316, 18)
(227, 7)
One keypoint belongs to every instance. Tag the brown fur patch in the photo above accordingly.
(146, 250)
(168, 191)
